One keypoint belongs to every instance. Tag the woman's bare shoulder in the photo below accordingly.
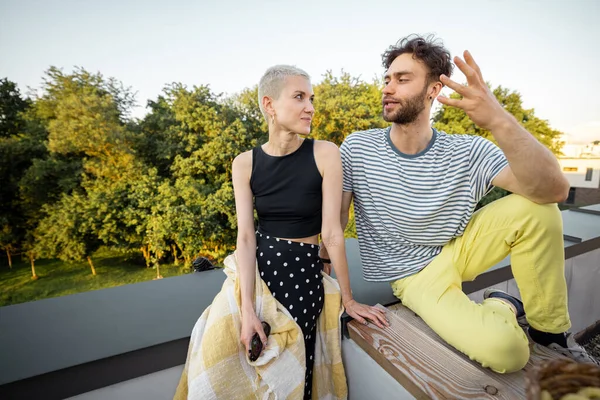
(243, 160)
(326, 148)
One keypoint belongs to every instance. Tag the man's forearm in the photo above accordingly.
(535, 167)
(344, 217)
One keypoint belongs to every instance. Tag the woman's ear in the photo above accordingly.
(267, 104)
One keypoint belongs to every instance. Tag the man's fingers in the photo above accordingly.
(472, 77)
(471, 62)
(449, 102)
(457, 87)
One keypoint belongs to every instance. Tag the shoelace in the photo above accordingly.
(579, 352)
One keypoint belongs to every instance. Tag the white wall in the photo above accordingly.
(581, 150)
(577, 178)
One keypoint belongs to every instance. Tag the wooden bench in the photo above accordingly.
(431, 369)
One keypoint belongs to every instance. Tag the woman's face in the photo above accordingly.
(294, 109)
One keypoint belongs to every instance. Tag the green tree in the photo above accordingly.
(28, 246)
(344, 105)
(455, 120)
(120, 206)
(215, 132)
(86, 117)
(12, 104)
(156, 140)
(66, 231)
(79, 124)
(19, 144)
(246, 106)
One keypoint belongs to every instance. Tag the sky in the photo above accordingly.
(547, 50)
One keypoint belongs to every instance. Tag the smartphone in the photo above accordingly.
(256, 345)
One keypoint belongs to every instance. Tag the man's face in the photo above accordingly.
(405, 91)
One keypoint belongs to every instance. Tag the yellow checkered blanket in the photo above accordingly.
(217, 366)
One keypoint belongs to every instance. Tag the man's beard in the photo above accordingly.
(408, 110)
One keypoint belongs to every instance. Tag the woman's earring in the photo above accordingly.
(273, 119)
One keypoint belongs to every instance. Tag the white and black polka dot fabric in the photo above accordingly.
(292, 271)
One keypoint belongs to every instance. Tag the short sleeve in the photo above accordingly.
(346, 153)
(486, 162)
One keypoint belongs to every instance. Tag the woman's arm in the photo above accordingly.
(330, 164)
(246, 246)
(345, 216)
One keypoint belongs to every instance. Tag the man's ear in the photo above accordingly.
(435, 90)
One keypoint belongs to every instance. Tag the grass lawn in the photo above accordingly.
(57, 278)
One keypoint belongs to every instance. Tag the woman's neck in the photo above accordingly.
(282, 143)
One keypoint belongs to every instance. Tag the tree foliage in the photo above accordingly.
(455, 120)
(79, 173)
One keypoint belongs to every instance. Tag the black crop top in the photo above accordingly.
(287, 192)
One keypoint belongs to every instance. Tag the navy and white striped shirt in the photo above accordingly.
(408, 206)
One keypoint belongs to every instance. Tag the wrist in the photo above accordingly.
(347, 299)
(502, 123)
(247, 307)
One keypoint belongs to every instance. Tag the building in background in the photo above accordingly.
(581, 166)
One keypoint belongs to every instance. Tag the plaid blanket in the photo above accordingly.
(217, 366)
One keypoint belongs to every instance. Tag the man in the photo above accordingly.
(415, 190)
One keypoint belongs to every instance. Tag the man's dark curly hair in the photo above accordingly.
(428, 50)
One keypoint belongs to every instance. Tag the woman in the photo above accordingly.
(296, 186)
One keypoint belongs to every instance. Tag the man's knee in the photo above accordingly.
(545, 216)
(508, 354)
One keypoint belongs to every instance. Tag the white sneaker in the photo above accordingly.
(574, 351)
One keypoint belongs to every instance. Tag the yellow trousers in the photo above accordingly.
(488, 332)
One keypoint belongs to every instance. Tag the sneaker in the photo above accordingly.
(574, 351)
(518, 304)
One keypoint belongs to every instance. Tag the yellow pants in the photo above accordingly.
(488, 332)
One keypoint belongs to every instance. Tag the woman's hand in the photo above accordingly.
(363, 313)
(251, 325)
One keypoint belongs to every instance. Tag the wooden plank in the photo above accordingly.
(538, 354)
(516, 380)
(428, 367)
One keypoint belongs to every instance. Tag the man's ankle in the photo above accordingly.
(546, 338)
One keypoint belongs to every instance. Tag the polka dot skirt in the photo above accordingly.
(292, 271)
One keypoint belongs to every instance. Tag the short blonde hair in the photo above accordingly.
(273, 80)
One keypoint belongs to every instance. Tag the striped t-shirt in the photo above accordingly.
(408, 206)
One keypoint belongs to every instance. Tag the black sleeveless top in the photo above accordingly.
(287, 192)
